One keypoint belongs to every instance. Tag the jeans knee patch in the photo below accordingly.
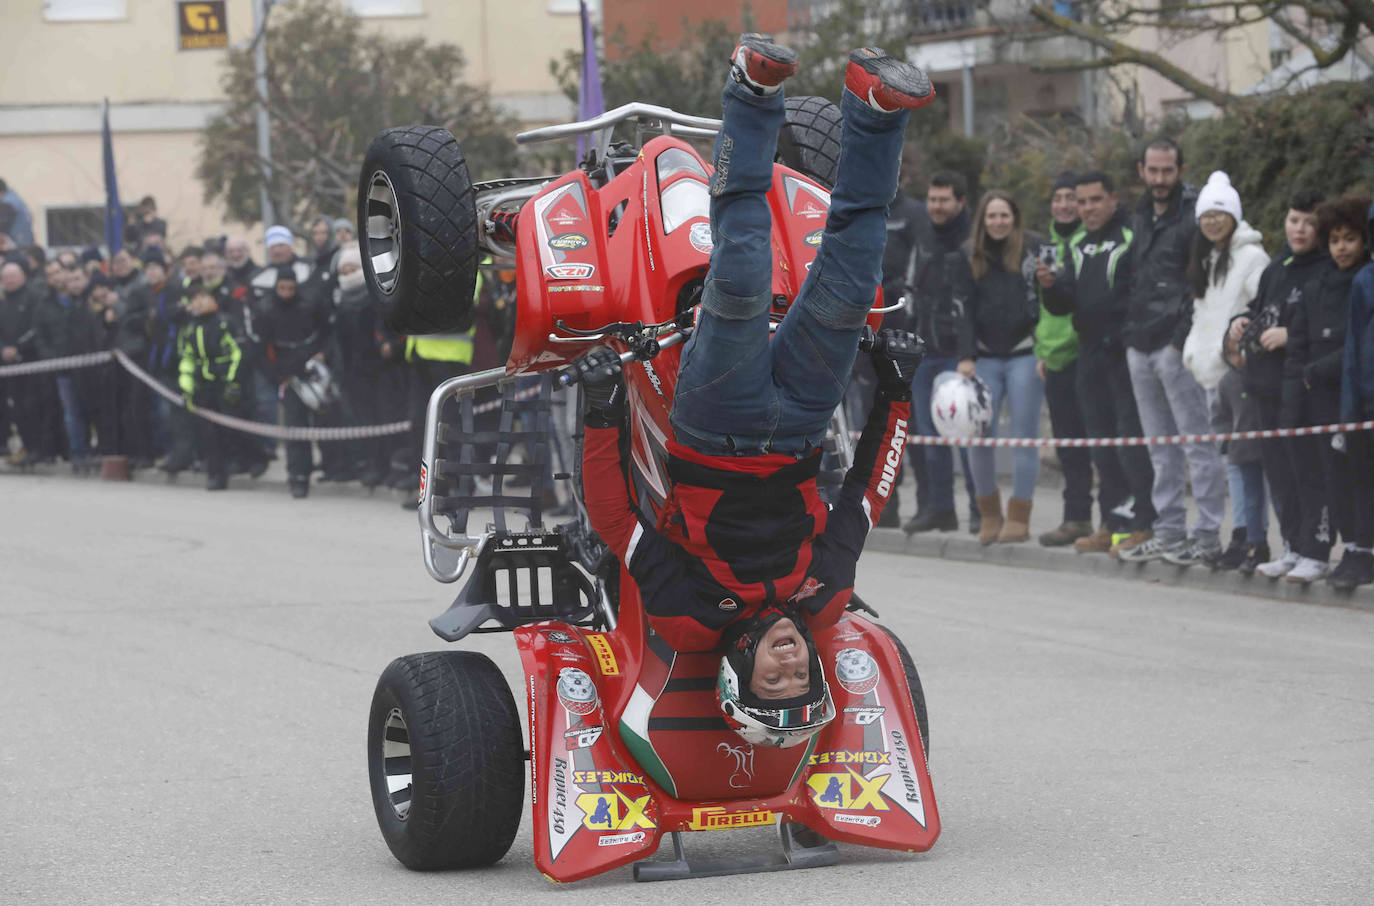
(832, 312)
(734, 308)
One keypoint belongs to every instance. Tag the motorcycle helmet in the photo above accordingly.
(780, 722)
(960, 406)
(316, 388)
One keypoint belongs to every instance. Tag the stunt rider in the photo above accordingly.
(747, 557)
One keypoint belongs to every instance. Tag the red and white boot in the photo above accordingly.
(885, 83)
(761, 65)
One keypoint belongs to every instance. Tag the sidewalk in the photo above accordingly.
(1047, 513)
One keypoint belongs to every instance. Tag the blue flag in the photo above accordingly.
(114, 211)
(589, 100)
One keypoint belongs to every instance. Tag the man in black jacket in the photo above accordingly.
(19, 298)
(931, 313)
(1094, 287)
(296, 325)
(65, 326)
(1169, 398)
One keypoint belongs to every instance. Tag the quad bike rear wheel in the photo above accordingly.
(417, 218)
(913, 683)
(446, 760)
(810, 138)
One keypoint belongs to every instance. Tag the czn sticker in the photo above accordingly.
(569, 271)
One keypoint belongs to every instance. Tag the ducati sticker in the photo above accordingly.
(856, 670)
(570, 271)
(570, 242)
(700, 237)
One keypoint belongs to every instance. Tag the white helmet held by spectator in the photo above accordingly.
(960, 406)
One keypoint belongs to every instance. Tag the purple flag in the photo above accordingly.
(114, 211)
(589, 100)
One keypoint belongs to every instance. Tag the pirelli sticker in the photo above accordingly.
(605, 657)
(202, 25)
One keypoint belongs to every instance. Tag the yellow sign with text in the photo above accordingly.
(613, 811)
(605, 657)
(202, 25)
(850, 791)
(715, 818)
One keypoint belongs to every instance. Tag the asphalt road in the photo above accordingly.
(186, 679)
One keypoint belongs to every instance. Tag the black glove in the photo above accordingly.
(232, 395)
(896, 355)
(602, 386)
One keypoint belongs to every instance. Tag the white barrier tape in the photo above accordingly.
(67, 363)
(259, 428)
(935, 441)
(365, 431)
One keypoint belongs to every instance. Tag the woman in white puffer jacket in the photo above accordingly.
(1224, 269)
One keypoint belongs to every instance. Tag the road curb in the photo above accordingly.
(1029, 555)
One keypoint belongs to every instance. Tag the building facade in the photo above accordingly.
(63, 57)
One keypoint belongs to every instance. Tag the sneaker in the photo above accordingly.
(300, 486)
(885, 83)
(1067, 533)
(760, 65)
(1355, 568)
(1133, 539)
(1254, 556)
(1276, 569)
(1149, 549)
(1198, 550)
(1099, 542)
(1307, 570)
(948, 521)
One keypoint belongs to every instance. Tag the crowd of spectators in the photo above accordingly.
(295, 341)
(1164, 318)
(1167, 318)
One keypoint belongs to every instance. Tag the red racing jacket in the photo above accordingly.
(740, 532)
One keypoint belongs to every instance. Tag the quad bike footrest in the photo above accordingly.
(516, 562)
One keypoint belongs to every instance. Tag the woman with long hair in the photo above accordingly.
(993, 283)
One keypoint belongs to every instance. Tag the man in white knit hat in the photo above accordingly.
(1169, 398)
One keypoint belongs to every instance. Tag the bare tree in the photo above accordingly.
(331, 87)
(1331, 30)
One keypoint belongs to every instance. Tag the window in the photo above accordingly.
(84, 10)
(380, 9)
(75, 226)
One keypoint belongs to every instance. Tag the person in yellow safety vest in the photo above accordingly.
(209, 378)
(435, 358)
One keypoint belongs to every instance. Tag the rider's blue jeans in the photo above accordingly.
(736, 392)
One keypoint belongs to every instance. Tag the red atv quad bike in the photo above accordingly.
(626, 741)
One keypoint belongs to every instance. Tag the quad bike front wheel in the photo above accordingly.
(913, 683)
(446, 760)
(417, 217)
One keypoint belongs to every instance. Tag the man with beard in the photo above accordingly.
(1169, 398)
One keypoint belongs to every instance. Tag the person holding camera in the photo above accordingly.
(993, 284)
(1056, 361)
